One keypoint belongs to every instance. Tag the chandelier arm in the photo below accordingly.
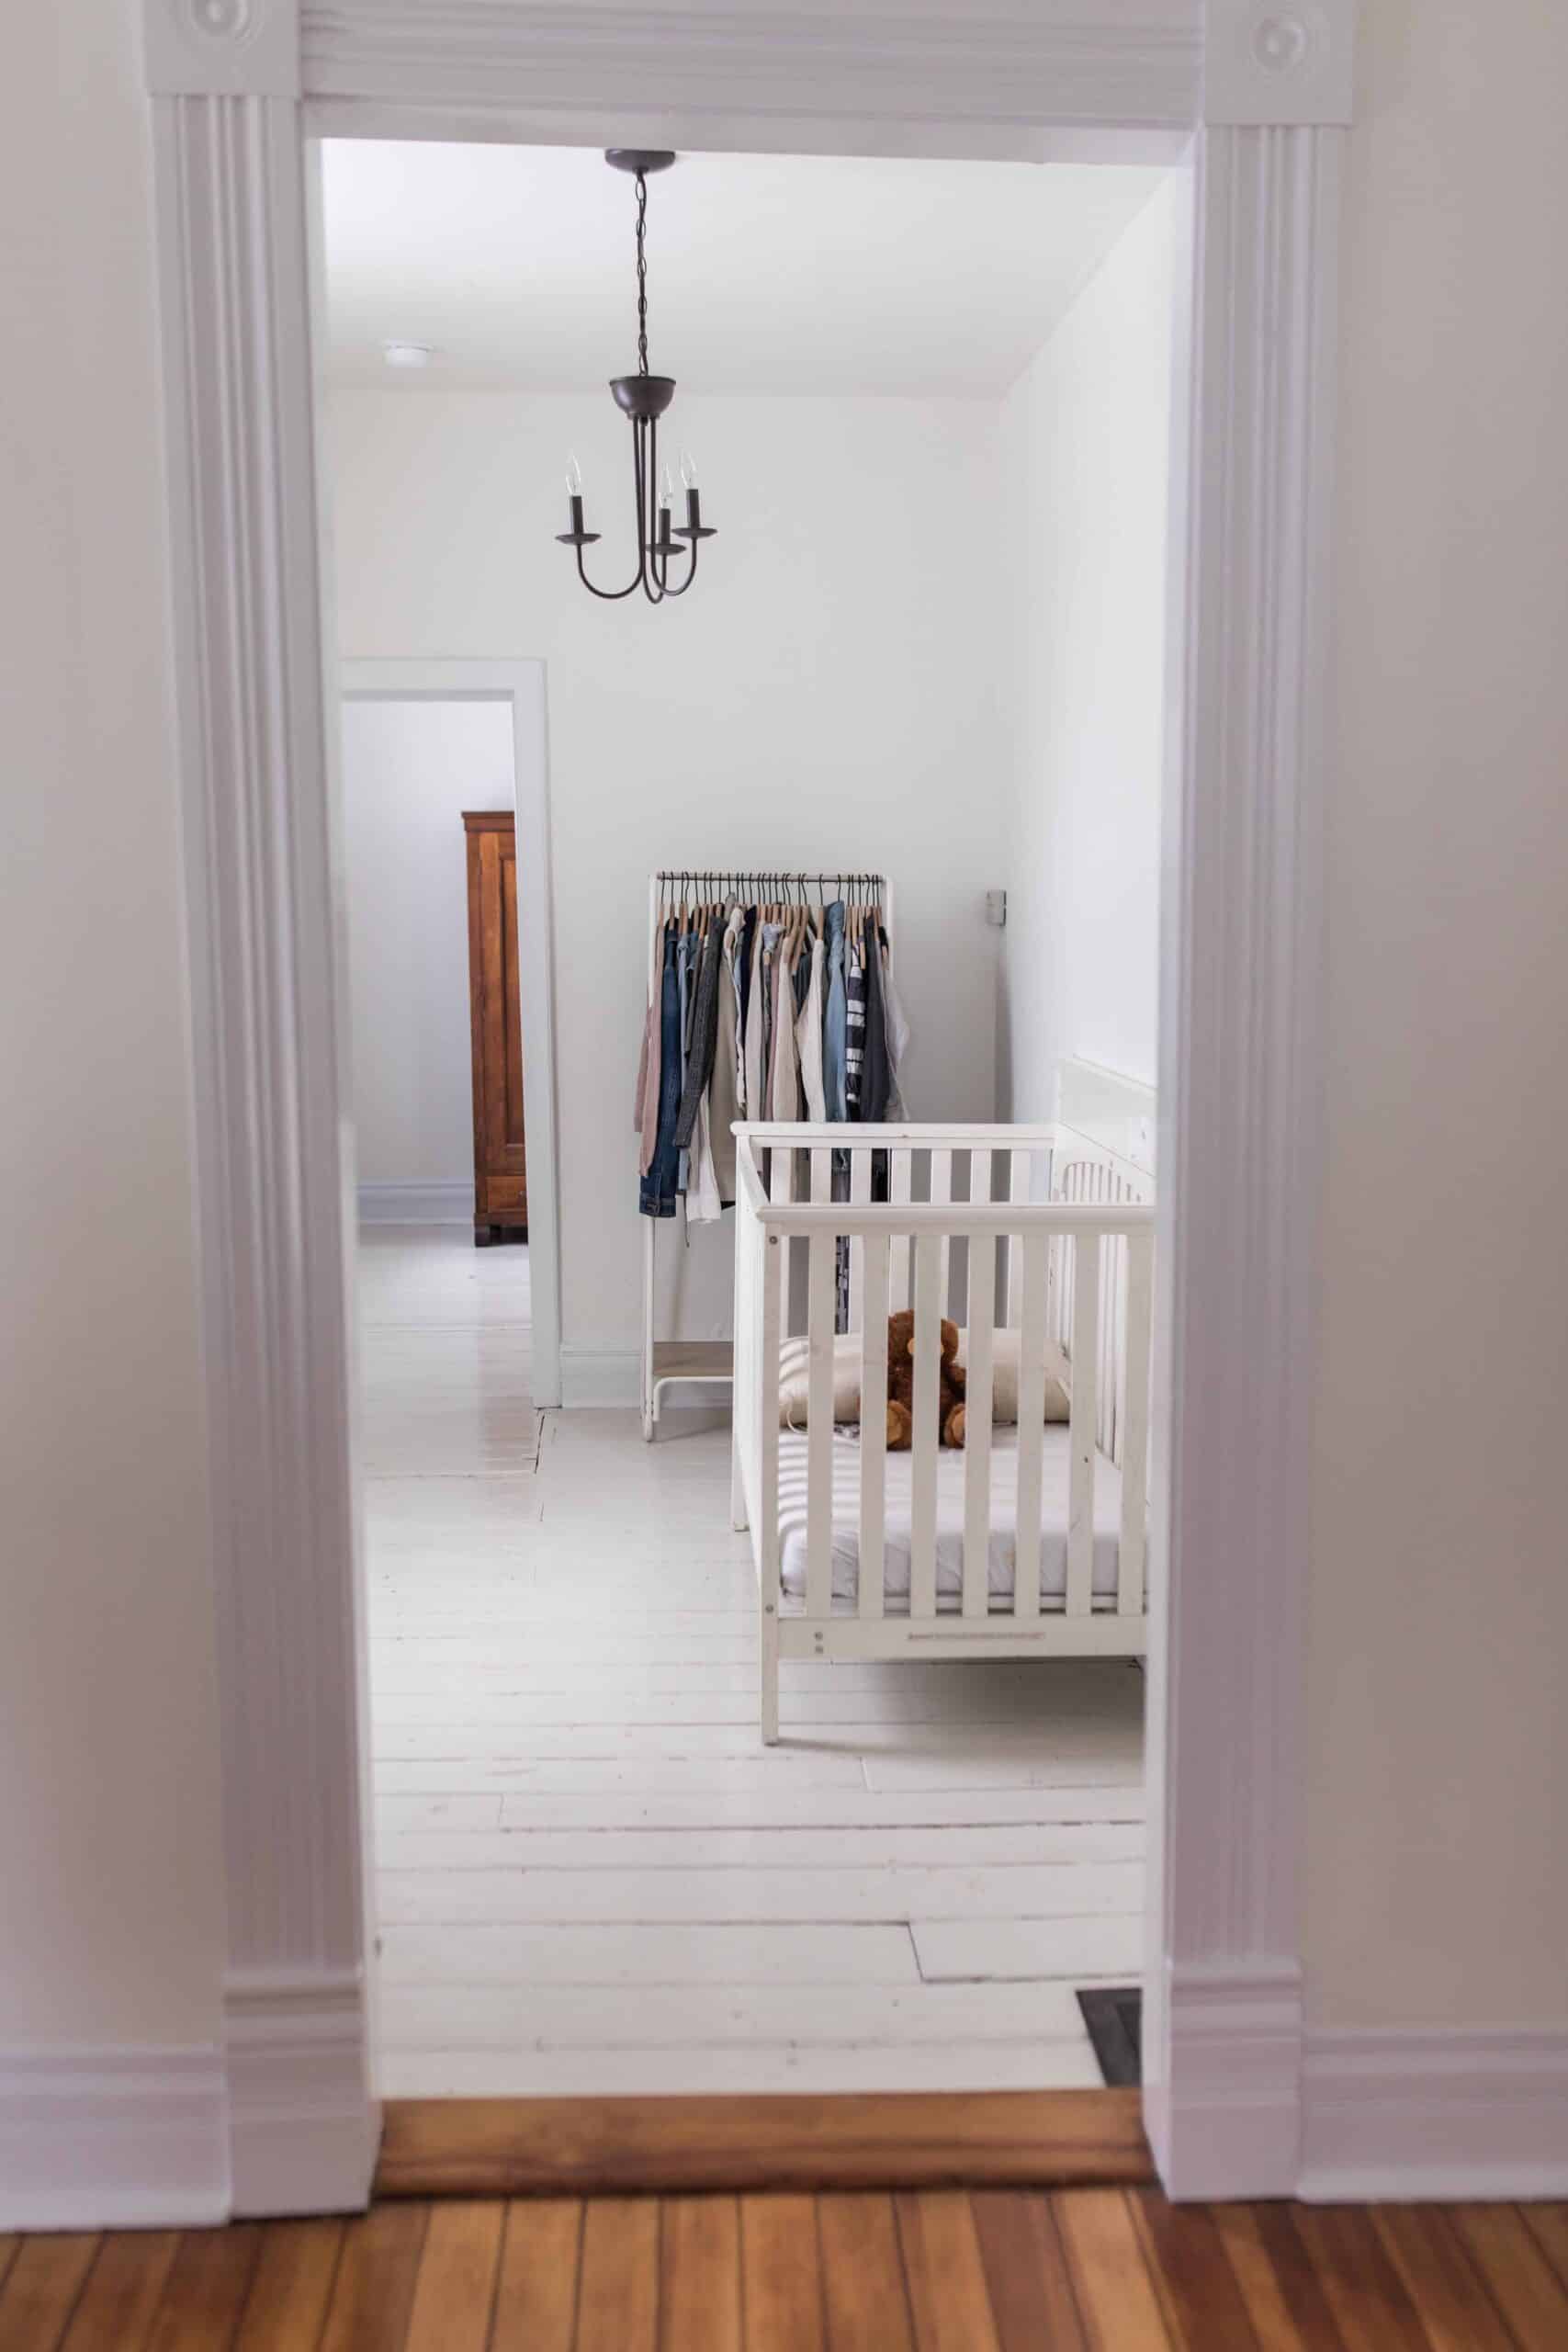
(609, 595)
(691, 575)
(659, 551)
(648, 575)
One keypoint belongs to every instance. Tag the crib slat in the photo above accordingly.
(941, 1189)
(899, 1162)
(977, 1428)
(1019, 1172)
(1033, 1260)
(978, 1189)
(768, 1480)
(821, 1174)
(859, 1193)
(923, 1465)
(1107, 1352)
(821, 1295)
(743, 1410)
(781, 1187)
(1083, 1422)
(872, 1424)
(1133, 1545)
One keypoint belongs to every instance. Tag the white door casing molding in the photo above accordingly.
(238, 87)
(1241, 986)
(234, 297)
(520, 685)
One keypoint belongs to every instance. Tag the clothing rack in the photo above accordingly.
(710, 1364)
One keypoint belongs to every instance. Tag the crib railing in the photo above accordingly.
(968, 1227)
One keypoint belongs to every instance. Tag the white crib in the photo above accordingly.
(1026, 1544)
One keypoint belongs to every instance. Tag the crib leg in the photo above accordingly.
(769, 1678)
(738, 1519)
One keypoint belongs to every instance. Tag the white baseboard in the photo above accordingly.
(600, 1376)
(1456, 2112)
(1227, 2121)
(113, 2138)
(416, 1204)
(303, 2126)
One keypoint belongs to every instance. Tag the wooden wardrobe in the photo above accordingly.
(500, 1160)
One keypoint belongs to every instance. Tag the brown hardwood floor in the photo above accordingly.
(1107, 2270)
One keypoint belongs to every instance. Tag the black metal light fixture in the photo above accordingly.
(643, 399)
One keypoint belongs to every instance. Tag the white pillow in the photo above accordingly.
(795, 1379)
(1004, 1377)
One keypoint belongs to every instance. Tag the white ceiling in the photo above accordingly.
(766, 273)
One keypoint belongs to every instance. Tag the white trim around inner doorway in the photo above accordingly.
(522, 685)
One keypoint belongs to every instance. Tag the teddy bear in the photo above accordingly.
(902, 1384)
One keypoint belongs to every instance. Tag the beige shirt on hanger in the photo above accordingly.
(784, 1090)
(808, 1036)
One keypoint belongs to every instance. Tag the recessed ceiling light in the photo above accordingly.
(408, 355)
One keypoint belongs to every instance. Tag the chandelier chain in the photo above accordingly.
(641, 277)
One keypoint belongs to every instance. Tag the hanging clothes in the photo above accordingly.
(725, 1098)
(854, 1030)
(835, 1016)
(755, 1064)
(646, 1115)
(763, 1011)
(705, 1030)
(808, 1033)
(783, 1084)
(896, 1030)
(658, 1194)
(685, 960)
(876, 1076)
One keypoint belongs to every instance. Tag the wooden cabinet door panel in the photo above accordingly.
(500, 1169)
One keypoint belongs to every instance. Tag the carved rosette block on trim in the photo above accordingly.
(230, 49)
(1280, 62)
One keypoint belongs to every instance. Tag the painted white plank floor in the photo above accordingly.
(572, 1806)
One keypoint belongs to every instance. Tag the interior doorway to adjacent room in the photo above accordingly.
(940, 590)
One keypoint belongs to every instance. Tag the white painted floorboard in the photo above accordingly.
(591, 1874)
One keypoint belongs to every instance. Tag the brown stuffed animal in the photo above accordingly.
(902, 1384)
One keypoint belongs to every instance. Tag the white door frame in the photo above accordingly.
(1255, 93)
(522, 685)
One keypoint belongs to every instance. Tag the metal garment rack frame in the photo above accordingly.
(710, 1364)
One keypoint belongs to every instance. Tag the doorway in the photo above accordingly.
(591, 1873)
(1238, 971)
(422, 745)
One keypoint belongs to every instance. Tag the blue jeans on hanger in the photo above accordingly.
(656, 1194)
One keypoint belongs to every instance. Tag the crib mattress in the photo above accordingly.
(1002, 1550)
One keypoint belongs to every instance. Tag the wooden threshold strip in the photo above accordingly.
(522, 2147)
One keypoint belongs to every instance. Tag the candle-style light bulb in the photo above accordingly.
(573, 475)
(693, 528)
(666, 485)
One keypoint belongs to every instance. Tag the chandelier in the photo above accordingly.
(643, 399)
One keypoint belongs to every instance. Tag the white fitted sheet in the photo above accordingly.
(1002, 1549)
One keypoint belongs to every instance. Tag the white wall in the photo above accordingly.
(409, 769)
(1438, 1886)
(1439, 1873)
(828, 692)
(109, 1793)
(1085, 457)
